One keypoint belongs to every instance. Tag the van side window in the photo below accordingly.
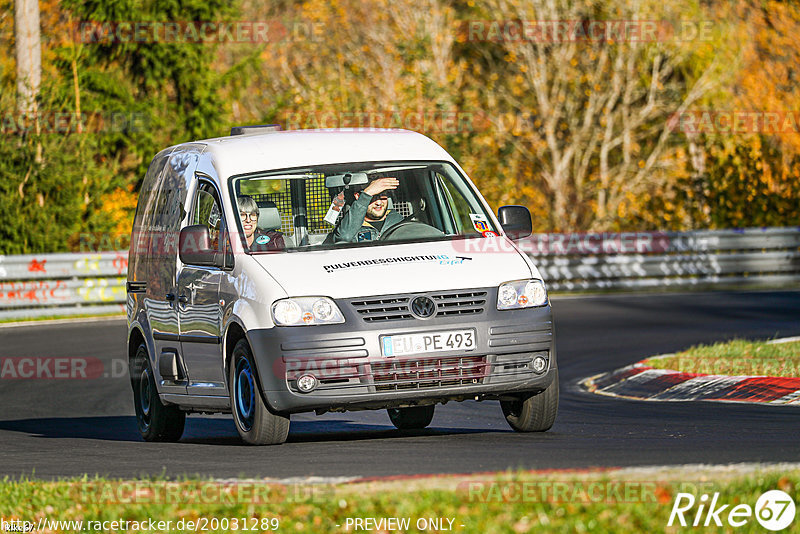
(207, 211)
(149, 192)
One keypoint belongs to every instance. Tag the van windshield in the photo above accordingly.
(356, 204)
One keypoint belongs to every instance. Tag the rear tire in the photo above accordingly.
(256, 424)
(413, 418)
(156, 421)
(535, 413)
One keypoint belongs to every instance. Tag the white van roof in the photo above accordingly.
(254, 152)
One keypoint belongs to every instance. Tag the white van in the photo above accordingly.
(278, 272)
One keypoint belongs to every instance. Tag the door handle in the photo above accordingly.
(170, 297)
(183, 299)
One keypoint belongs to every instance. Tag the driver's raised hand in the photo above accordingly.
(380, 185)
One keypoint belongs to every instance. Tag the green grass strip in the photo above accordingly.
(736, 358)
(497, 503)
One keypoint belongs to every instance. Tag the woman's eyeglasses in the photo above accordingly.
(249, 216)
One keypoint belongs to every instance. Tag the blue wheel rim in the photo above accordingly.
(245, 394)
(144, 398)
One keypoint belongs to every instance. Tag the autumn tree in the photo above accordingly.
(750, 176)
(597, 104)
(137, 97)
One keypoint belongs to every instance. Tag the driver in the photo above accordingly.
(256, 238)
(369, 215)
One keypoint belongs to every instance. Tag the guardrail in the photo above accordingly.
(752, 256)
(36, 285)
(68, 284)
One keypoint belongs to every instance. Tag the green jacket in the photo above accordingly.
(353, 222)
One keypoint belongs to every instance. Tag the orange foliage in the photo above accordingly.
(119, 206)
(768, 80)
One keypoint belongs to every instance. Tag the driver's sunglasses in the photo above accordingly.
(249, 216)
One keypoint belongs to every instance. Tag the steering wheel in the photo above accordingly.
(408, 229)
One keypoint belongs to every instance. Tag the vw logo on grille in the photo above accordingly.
(423, 307)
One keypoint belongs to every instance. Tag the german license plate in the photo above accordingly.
(423, 343)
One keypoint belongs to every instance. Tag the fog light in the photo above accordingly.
(539, 364)
(306, 383)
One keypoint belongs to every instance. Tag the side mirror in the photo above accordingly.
(194, 247)
(516, 221)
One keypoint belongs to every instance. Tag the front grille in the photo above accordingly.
(428, 372)
(383, 309)
(396, 308)
(466, 303)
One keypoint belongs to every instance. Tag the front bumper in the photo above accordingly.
(353, 374)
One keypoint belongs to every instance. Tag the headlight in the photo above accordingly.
(303, 311)
(521, 294)
(286, 312)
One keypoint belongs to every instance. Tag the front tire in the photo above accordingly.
(535, 413)
(413, 418)
(156, 421)
(256, 424)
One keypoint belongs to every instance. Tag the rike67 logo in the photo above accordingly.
(774, 510)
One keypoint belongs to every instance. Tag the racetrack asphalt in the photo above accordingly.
(58, 428)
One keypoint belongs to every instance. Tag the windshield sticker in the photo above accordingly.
(336, 207)
(441, 259)
(489, 233)
(262, 239)
(479, 222)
